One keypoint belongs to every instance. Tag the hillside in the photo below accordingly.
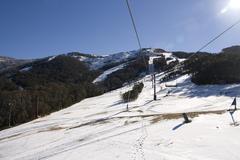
(42, 86)
(7, 63)
(100, 128)
(219, 68)
(99, 123)
(46, 85)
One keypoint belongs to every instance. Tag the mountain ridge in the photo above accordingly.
(46, 85)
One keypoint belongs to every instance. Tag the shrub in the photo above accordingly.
(133, 94)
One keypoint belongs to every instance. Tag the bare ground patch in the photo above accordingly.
(93, 122)
(171, 116)
(12, 136)
(156, 117)
(54, 128)
(67, 113)
(127, 122)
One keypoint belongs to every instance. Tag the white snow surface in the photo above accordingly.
(96, 63)
(52, 58)
(104, 75)
(99, 128)
(172, 58)
(2, 60)
(99, 62)
(25, 69)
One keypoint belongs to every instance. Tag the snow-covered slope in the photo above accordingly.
(104, 75)
(124, 57)
(96, 63)
(99, 128)
(7, 62)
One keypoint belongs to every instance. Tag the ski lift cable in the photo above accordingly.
(198, 51)
(136, 32)
(218, 36)
(134, 24)
(138, 39)
(206, 45)
(143, 57)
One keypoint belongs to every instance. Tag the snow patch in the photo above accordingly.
(104, 75)
(52, 58)
(25, 69)
(96, 63)
(2, 60)
(100, 128)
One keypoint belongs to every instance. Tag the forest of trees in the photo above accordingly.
(48, 86)
(41, 87)
(222, 68)
(132, 71)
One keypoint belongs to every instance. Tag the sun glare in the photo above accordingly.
(234, 4)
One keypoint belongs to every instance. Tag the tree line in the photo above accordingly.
(132, 71)
(222, 68)
(46, 87)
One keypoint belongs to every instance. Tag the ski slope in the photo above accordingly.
(99, 128)
(104, 75)
(98, 62)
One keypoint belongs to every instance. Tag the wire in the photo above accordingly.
(136, 32)
(142, 138)
(218, 36)
(134, 24)
(138, 39)
(207, 44)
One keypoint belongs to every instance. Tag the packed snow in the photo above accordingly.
(5, 59)
(100, 128)
(170, 58)
(25, 69)
(52, 58)
(104, 75)
(2, 60)
(98, 62)
(81, 58)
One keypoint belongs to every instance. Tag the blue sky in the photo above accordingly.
(39, 28)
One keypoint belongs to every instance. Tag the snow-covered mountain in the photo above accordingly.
(67, 79)
(100, 128)
(96, 62)
(93, 61)
(7, 62)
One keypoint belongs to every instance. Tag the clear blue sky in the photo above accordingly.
(39, 28)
